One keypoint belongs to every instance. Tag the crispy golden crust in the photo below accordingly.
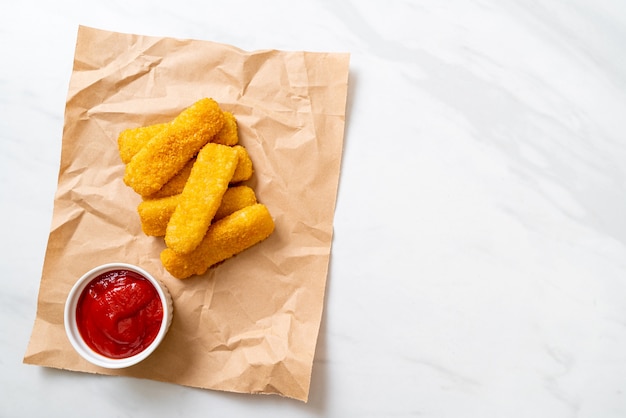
(176, 183)
(170, 149)
(155, 214)
(228, 134)
(201, 197)
(244, 165)
(225, 238)
(235, 198)
(130, 141)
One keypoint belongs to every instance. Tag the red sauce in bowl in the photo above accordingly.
(119, 313)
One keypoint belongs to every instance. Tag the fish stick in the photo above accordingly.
(155, 214)
(169, 150)
(130, 141)
(228, 134)
(176, 184)
(225, 238)
(201, 197)
(244, 165)
(235, 198)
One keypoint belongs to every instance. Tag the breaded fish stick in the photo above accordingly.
(155, 214)
(244, 165)
(235, 198)
(201, 197)
(225, 238)
(130, 141)
(228, 134)
(169, 150)
(176, 184)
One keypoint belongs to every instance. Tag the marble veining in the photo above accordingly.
(478, 262)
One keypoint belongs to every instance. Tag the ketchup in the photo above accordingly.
(119, 313)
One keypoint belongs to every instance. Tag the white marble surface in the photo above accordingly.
(479, 261)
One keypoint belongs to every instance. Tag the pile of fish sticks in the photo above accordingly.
(189, 172)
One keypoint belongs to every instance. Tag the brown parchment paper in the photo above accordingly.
(251, 324)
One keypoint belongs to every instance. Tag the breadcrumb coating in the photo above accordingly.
(155, 214)
(235, 198)
(170, 149)
(244, 165)
(225, 238)
(228, 135)
(130, 141)
(176, 184)
(201, 197)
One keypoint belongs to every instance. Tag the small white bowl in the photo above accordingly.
(71, 327)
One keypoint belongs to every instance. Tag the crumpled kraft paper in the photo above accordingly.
(251, 324)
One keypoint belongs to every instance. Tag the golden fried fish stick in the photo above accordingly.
(130, 141)
(235, 198)
(201, 197)
(169, 150)
(176, 184)
(244, 165)
(228, 134)
(225, 238)
(155, 214)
